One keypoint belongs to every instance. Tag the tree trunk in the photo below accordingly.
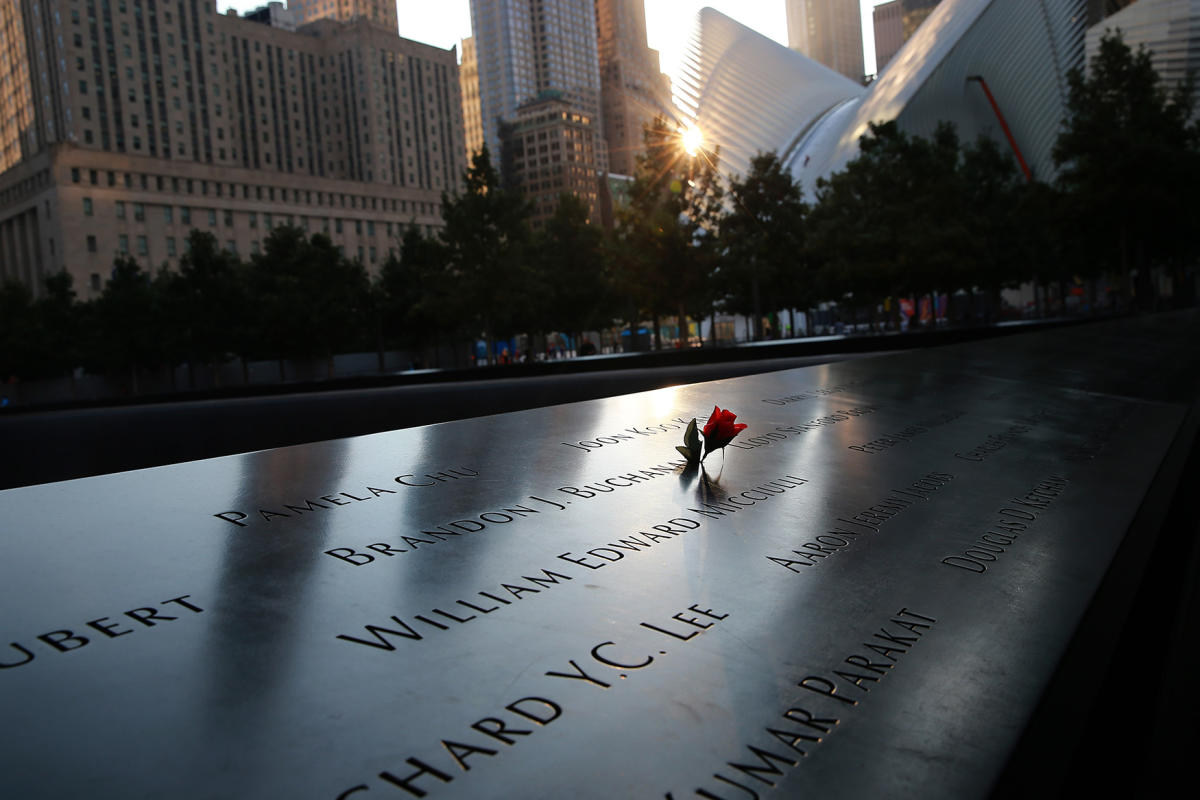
(379, 344)
(655, 332)
(754, 295)
(682, 323)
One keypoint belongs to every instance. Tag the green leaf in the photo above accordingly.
(691, 438)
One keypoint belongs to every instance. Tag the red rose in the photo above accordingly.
(720, 429)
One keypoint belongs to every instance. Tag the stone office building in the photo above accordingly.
(124, 124)
(550, 149)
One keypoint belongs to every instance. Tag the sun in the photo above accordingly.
(692, 139)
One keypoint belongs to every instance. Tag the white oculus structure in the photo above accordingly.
(749, 94)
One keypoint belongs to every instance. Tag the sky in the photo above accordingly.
(668, 22)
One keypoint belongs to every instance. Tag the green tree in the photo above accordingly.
(306, 298)
(205, 299)
(668, 233)
(128, 327)
(39, 338)
(417, 301)
(573, 267)
(18, 332)
(1129, 163)
(997, 210)
(487, 238)
(891, 224)
(762, 240)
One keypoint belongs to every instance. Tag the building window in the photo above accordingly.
(212, 218)
(143, 247)
(120, 210)
(123, 244)
(228, 219)
(139, 212)
(185, 215)
(171, 246)
(95, 279)
(87, 206)
(253, 219)
(91, 247)
(168, 214)
(74, 174)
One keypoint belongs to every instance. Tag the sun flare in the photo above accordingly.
(692, 140)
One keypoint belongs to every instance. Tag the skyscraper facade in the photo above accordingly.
(526, 47)
(895, 23)
(124, 125)
(633, 88)
(829, 32)
(381, 12)
(888, 21)
(916, 12)
(468, 72)
(550, 149)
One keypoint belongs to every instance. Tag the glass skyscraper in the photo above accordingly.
(525, 48)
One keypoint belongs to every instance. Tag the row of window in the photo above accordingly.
(269, 220)
(248, 192)
(142, 248)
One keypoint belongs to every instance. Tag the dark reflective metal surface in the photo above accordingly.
(868, 592)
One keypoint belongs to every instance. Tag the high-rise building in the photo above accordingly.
(1099, 9)
(895, 23)
(888, 21)
(633, 88)
(275, 14)
(829, 32)
(551, 149)
(527, 47)
(916, 12)
(468, 72)
(380, 12)
(124, 125)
